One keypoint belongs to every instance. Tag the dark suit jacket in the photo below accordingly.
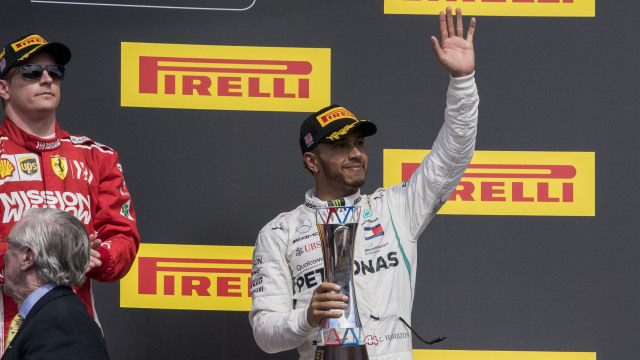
(58, 327)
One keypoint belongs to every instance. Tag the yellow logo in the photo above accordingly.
(193, 277)
(6, 168)
(542, 8)
(225, 77)
(59, 166)
(336, 113)
(28, 165)
(336, 135)
(511, 182)
(31, 40)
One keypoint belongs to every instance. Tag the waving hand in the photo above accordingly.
(455, 53)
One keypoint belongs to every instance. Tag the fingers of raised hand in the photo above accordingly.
(459, 28)
(472, 29)
(447, 28)
(444, 34)
(451, 32)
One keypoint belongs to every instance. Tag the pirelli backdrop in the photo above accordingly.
(535, 256)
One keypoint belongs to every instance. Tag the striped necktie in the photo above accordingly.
(13, 329)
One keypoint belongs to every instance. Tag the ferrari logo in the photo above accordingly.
(59, 166)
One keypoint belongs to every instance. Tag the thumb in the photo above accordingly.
(436, 47)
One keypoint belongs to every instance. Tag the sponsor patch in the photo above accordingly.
(316, 245)
(47, 145)
(31, 40)
(337, 202)
(304, 226)
(310, 279)
(59, 166)
(373, 232)
(15, 203)
(6, 168)
(329, 116)
(125, 210)
(304, 237)
(369, 266)
(257, 261)
(28, 165)
(82, 172)
(370, 249)
(79, 139)
(309, 263)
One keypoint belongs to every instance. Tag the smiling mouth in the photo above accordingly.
(354, 167)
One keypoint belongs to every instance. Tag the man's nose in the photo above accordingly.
(355, 152)
(46, 78)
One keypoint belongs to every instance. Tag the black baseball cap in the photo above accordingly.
(331, 124)
(25, 47)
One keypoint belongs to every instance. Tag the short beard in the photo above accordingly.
(339, 177)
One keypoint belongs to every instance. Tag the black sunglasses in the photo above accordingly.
(33, 72)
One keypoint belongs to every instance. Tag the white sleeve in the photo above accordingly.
(414, 203)
(277, 326)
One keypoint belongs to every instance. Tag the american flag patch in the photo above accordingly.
(308, 139)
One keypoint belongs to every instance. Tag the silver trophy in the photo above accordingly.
(340, 338)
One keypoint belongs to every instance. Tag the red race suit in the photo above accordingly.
(74, 174)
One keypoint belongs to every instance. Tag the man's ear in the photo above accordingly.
(28, 259)
(311, 160)
(4, 90)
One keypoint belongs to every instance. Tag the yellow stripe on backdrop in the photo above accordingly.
(500, 355)
(542, 8)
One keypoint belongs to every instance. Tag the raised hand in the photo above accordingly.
(456, 53)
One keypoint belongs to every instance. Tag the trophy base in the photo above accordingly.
(345, 352)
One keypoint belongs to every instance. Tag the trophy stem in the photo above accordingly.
(349, 352)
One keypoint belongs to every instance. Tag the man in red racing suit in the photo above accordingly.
(43, 166)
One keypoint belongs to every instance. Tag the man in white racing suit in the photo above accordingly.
(290, 297)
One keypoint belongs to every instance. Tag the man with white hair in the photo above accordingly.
(48, 252)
